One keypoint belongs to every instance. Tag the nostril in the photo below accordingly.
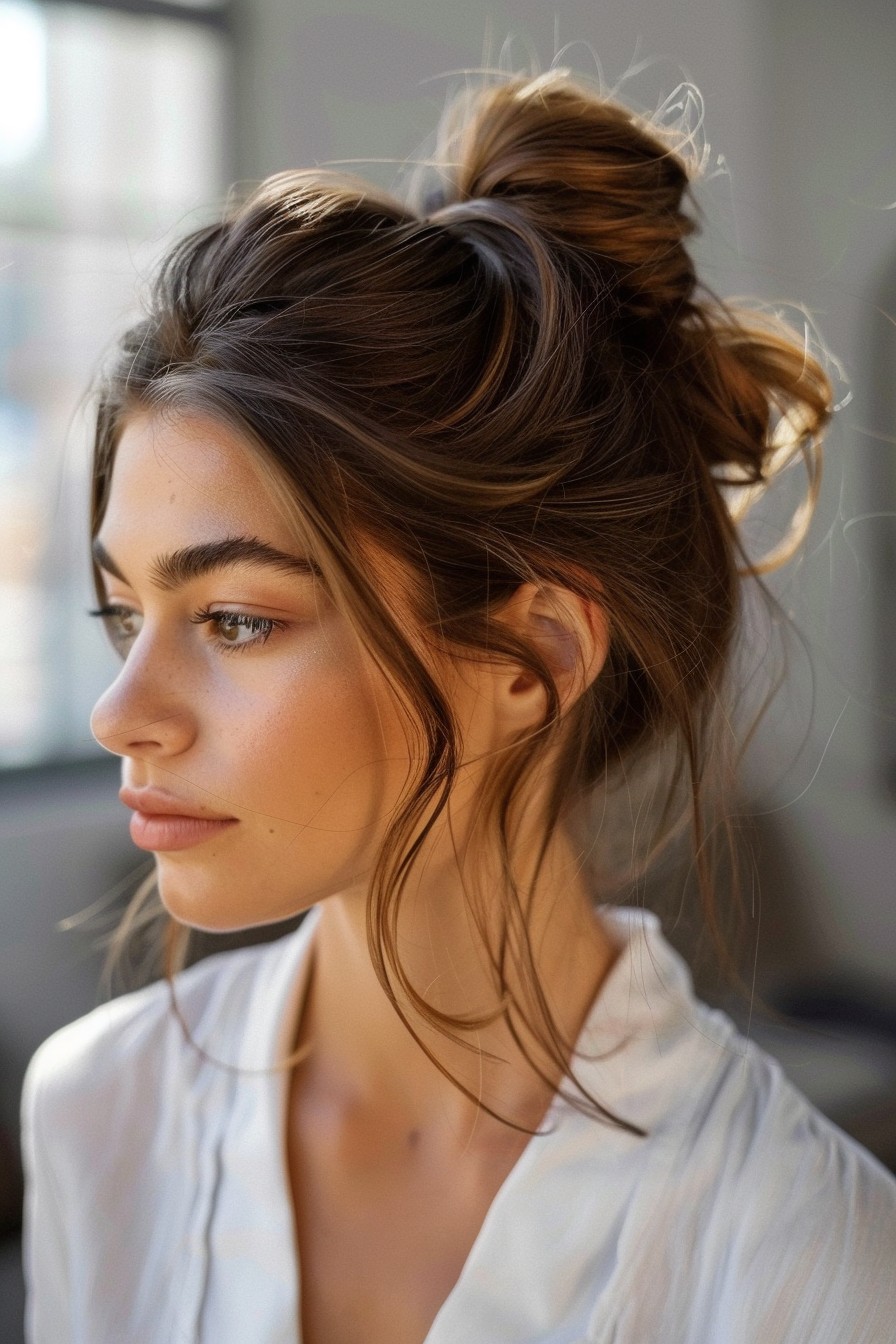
(125, 727)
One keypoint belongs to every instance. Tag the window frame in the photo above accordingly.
(216, 18)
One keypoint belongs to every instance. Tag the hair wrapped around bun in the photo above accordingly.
(599, 195)
(511, 376)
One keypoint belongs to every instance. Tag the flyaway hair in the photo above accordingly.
(511, 375)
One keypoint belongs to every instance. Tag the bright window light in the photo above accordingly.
(23, 80)
(112, 143)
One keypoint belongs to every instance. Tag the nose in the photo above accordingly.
(144, 713)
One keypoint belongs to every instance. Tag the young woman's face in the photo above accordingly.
(244, 700)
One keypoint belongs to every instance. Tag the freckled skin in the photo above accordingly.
(298, 738)
(301, 739)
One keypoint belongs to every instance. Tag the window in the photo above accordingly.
(112, 141)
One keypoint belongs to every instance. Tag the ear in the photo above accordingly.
(572, 635)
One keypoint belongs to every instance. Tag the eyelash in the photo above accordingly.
(263, 626)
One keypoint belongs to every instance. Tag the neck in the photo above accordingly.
(363, 1061)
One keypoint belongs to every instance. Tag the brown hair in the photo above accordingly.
(512, 376)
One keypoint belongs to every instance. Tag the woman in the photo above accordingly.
(414, 528)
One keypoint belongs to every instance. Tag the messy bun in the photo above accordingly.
(510, 375)
(600, 196)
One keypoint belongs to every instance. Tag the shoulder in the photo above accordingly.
(767, 1136)
(795, 1221)
(123, 1049)
(752, 1216)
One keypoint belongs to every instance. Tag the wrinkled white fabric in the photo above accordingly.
(158, 1207)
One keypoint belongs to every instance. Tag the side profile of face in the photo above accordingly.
(245, 697)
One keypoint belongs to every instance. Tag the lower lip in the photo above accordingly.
(164, 832)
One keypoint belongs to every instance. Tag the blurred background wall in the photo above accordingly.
(134, 119)
(799, 103)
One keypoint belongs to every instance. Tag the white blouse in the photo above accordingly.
(158, 1207)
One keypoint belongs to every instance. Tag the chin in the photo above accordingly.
(195, 900)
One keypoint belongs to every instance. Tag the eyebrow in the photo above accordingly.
(171, 571)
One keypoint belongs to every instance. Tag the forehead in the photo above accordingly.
(180, 481)
(189, 477)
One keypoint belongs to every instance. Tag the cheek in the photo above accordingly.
(312, 753)
(320, 743)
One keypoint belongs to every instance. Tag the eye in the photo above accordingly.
(122, 626)
(237, 630)
(234, 630)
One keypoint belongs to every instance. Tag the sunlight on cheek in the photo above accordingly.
(315, 767)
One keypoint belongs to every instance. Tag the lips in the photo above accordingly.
(158, 803)
(162, 822)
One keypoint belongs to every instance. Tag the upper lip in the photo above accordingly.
(157, 803)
